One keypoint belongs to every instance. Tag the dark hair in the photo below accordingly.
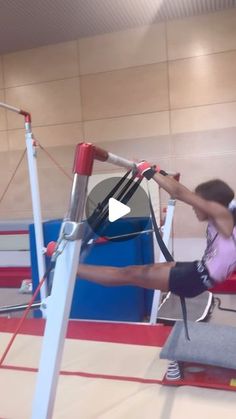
(234, 214)
(217, 190)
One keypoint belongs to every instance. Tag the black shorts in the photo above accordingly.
(189, 279)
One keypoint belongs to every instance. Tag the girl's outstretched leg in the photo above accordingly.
(153, 276)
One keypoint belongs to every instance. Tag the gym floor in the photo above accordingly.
(105, 378)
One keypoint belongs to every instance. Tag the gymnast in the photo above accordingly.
(211, 203)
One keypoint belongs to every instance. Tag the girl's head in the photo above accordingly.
(216, 190)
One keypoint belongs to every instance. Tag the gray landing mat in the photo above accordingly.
(210, 344)
(197, 308)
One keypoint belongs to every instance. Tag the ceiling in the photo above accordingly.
(30, 23)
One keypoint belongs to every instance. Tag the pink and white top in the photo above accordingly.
(220, 254)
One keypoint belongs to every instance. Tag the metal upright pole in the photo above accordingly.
(59, 304)
(62, 290)
(35, 195)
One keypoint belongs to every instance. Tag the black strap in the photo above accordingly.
(124, 196)
(100, 214)
(93, 219)
(131, 192)
(167, 255)
(169, 258)
(185, 317)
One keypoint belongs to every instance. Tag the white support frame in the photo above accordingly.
(35, 195)
(63, 285)
(58, 312)
(36, 204)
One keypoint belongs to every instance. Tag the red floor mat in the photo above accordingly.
(12, 276)
(130, 333)
(206, 376)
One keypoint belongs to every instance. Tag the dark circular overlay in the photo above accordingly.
(125, 228)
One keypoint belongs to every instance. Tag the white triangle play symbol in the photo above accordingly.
(116, 210)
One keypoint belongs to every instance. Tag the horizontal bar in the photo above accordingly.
(103, 155)
(100, 154)
(87, 152)
(9, 107)
(120, 161)
(17, 110)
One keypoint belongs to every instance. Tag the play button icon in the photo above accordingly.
(117, 210)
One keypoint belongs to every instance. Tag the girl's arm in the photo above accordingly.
(221, 216)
